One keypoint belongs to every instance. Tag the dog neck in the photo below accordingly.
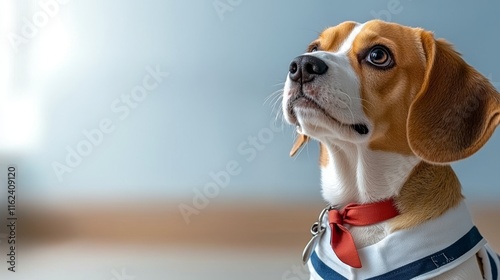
(353, 173)
(429, 192)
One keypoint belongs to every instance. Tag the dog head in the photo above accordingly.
(393, 88)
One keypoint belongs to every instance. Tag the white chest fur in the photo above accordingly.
(355, 173)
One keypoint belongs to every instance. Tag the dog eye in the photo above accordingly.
(313, 48)
(379, 56)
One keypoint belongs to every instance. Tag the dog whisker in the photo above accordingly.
(273, 96)
(274, 99)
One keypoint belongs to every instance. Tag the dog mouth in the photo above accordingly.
(304, 101)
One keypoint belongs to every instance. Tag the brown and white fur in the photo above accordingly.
(390, 129)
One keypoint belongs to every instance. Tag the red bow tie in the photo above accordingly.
(356, 215)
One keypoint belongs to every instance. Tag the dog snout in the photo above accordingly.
(305, 68)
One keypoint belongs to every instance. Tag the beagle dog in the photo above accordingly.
(392, 107)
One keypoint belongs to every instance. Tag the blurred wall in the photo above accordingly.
(162, 98)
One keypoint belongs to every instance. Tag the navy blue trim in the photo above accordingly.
(494, 268)
(323, 270)
(439, 259)
(416, 268)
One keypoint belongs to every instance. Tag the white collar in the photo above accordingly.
(421, 252)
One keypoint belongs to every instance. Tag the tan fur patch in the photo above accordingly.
(429, 192)
(299, 142)
(331, 38)
(457, 109)
(323, 155)
(387, 94)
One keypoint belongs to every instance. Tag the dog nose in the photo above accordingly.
(304, 68)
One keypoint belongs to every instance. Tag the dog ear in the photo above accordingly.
(456, 110)
(299, 142)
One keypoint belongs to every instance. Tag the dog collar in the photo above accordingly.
(353, 214)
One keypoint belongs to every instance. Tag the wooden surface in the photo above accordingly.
(244, 225)
(151, 241)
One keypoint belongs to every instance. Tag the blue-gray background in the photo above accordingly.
(223, 65)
